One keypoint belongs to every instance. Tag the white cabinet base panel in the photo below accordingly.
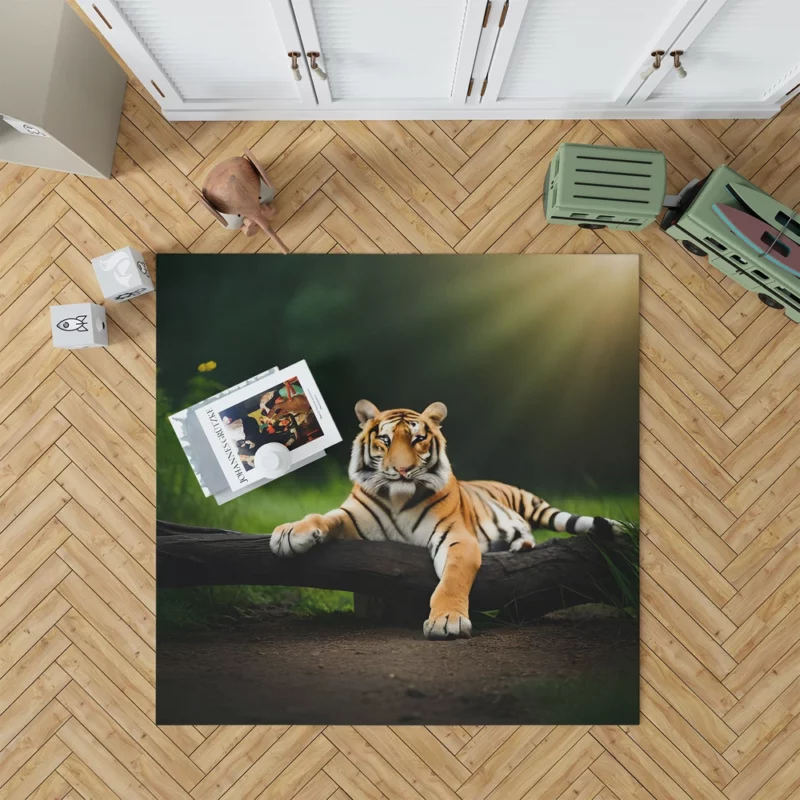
(741, 111)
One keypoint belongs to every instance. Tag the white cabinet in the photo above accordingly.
(209, 59)
(386, 54)
(573, 52)
(208, 55)
(735, 51)
(582, 58)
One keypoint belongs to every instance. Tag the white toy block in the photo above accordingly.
(122, 274)
(79, 325)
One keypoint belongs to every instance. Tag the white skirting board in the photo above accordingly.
(749, 111)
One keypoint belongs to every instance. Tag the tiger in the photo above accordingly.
(404, 490)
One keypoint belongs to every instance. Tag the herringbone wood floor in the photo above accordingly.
(720, 448)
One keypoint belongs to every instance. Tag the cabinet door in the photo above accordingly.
(557, 53)
(208, 54)
(734, 50)
(387, 54)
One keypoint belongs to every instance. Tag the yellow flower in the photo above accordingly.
(207, 366)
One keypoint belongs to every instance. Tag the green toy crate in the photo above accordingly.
(695, 224)
(605, 187)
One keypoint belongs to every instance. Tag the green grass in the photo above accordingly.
(622, 507)
(624, 565)
(204, 606)
(262, 510)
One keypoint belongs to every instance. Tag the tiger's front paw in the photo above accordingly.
(295, 538)
(447, 626)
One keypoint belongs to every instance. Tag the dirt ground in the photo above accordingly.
(343, 670)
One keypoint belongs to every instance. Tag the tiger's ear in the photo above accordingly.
(436, 412)
(365, 411)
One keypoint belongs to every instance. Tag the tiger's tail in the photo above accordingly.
(576, 523)
(543, 515)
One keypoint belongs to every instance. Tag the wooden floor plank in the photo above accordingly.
(499, 217)
(761, 696)
(769, 725)
(424, 166)
(106, 775)
(235, 763)
(542, 773)
(683, 555)
(96, 427)
(437, 143)
(358, 172)
(54, 787)
(30, 267)
(33, 226)
(37, 769)
(144, 153)
(117, 578)
(689, 742)
(685, 413)
(209, 134)
(392, 170)
(502, 179)
(153, 198)
(31, 629)
(494, 152)
(119, 743)
(12, 176)
(26, 198)
(720, 477)
(30, 703)
(159, 131)
(686, 666)
(110, 517)
(373, 223)
(685, 593)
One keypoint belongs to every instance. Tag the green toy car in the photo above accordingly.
(614, 187)
(702, 232)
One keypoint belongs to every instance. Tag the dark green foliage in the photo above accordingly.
(623, 561)
(604, 696)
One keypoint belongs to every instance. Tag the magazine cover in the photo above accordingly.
(285, 407)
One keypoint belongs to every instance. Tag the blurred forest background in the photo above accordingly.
(536, 358)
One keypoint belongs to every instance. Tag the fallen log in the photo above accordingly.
(556, 574)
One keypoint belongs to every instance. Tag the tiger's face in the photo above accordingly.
(399, 449)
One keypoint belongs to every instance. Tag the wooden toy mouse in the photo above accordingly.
(233, 188)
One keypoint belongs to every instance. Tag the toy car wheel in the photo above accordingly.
(769, 301)
(592, 226)
(693, 248)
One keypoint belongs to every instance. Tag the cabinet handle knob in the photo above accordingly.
(294, 65)
(676, 60)
(657, 56)
(323, 76)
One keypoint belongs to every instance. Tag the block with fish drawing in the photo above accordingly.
(122, 275)
(79, 325)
